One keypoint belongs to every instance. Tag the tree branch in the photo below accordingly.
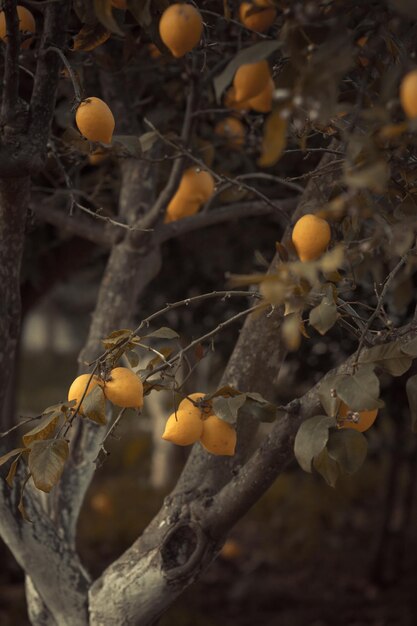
(42, 104)
(11, 67)
(237, 211)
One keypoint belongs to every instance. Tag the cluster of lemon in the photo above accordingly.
(194, 420)
(123, 388)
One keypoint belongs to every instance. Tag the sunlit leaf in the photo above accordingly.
(43, 430)
(46, 462)
(104, 12)
(90, 37)
(290, 332)
(9, 455)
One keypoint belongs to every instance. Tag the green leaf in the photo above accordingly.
(46, 462)
(94, 406)
(410, 348)
(127, 145)
(389, 356)
(90, 37)
(226, 391)
(157, 360)
(264, 411)
(361, 390)
(133, 358)
(43, 430)
(327, 394)
(148, 140)
(163, 333)
(104, 12)
(348, 448)
(311, 438)
(257, 52)
(227, 408)
(326, 467)
(411, 389)
(6, 457)
(324, 316)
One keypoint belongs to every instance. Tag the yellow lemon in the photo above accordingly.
(124, 388)
(311, 236)
(184, 427)
(218, 436)
(78, 387)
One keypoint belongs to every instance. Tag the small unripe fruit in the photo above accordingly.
(124, 388)
(95, 120)
(180, 28)
(311, 236)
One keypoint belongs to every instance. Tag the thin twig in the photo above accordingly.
(379, 304)
(164, 197)
(220, 178)
(16, 426)
(177, 357)
(74, 80)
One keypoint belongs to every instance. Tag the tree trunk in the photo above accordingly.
(14, 201)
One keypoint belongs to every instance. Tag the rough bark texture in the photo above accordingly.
(54, 568)
(14, 198)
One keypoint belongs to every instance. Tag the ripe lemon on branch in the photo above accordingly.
(180, 28)
(250, 80)
(311, 235)
(27, 24)
(260, 20)
(124, 388)
(408, 94)
(195, 188)
(218, 436)
(95, 120)
(79, 386)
